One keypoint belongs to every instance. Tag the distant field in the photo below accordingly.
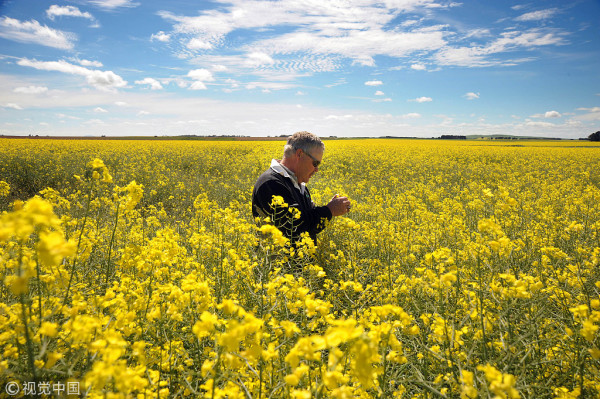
(465, 269)
(269, 138)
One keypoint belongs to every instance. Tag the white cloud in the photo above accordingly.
(198, 85)
(100, 110)
(234, 83)
(160, 36)
(363, 60)
(479, 56)
(94, 122)
(471, 96)
(339, 82)
(409, 22)
(537, 15)
(358, 32)
(64, 116)
(513, 40)
(540, 124)
(272, 118)
(411, 115)
(261, 63)
(593, 114)
(374, 83)
(422, 100)
(33, 32)
(199, 77)
(270, 85)
(478, 33)
(548, 114)
(199, 44)
(88, 63)
(153, 83)
(203, 75)
(104, 80)
(379, 93)
(257, 59)
(463, 56)
(339, 117)
(594, 109)
(31, 90)
(13, 106)
(110, 5)
(359, 45)
(67, 11)
(552, 114)
(418, 67)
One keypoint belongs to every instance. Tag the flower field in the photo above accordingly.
(465, 270)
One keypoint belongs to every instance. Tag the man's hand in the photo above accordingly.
(339, 205)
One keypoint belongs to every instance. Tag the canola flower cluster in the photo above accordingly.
(465, 270)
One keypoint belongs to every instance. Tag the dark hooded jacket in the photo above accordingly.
(312, 218)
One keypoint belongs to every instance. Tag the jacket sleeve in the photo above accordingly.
(312, 219)
(321, 215)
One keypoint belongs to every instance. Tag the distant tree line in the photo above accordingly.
(452, 137)
(594, 136)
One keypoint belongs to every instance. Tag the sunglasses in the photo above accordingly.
(315, 161)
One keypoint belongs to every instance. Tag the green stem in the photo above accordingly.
(39, 291)
(87, 211)
(260, 382)
(219, 293)
(110, 245)
(28, 343)
(481, 313)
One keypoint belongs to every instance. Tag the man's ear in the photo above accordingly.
(298, 152)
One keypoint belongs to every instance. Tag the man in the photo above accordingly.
(287, 178)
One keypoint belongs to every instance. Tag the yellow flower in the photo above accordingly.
(276, 234)
(135, 192)
(4, 188)
(17, 284)
(53, 247)
(52, 358)
(564, 393)
(499, 383)
(588, 330)
(97, 163)
(48, 329)
(206, 325)
(342, 331)
(458, 250)
(291, 379)
(468, 390)
(278, 201)
(290, 328)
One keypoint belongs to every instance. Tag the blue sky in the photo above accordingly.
(347, 68)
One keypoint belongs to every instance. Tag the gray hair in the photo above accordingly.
(304, 141)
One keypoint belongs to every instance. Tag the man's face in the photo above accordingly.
(306, 163)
